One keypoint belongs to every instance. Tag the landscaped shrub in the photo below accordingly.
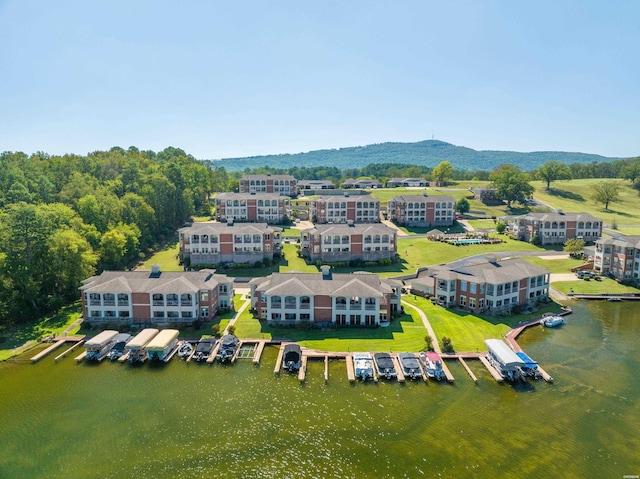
(215, 329)
(447, 345)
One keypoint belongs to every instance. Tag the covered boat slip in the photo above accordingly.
(410, 366)
(203, 350)
(136, 347)
(504, 359)
(163, 344)
(119, 342)
(99, 346)
(385, 365)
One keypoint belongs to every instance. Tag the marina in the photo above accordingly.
(136, 348)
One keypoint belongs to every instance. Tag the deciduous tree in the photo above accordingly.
(511, 184)
(553, 171)
(606, 192)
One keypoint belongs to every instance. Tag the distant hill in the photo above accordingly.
(427, 153)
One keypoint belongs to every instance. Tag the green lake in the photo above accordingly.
(111, 420)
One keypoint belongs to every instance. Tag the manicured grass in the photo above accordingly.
(413, 230)
(24, 337)
(468, 331)
(166, 258)
(293, 262)
(482, 224)
(290, 232)
(406, 333)
(576, 196)
(562, 265)
(607, 285)
(629, 230)
(201, 219)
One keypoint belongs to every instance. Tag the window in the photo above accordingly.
(276, 301)
(472, 288)
(463, 285)
(204, 295)
(463, 300)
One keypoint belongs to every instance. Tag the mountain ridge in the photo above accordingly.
(422, 153)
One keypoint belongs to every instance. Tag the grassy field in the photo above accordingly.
(482, 224)
(576, 196)
(607, 285)
(16, 341)
(559, 265)
(405, 333)
(167, 259)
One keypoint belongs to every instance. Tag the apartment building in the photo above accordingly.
(310, 185)
(423, 210)
(285, 185)
(343, 209)
(210, 243)
(155, 297)
(555, 228)
(618, 257)
(485, 284)
(407, 183)
(361, 184)
(358, 299)
(340, 242)
(252, 207)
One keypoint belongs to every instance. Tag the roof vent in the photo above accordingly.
(350, 223)
(424, 193)
(346, 194)
(559, 211)
(155, 271)
(326, 271)
(253, 193)
(229, 222)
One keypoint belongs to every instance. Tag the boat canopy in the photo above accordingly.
(292, 352)
(503, 354)
(163, 340)
(142, 338)
(384, 360)
(528, 362)
(228, 341)
(205, 345)
(433, 356)
(101, 339)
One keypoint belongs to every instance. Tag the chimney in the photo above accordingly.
(346, 194)
(155, 271)
(326, 271)
(350, 223)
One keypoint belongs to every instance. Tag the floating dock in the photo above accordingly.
(276, 370)
(351, 374)
(124, 357)
(469, 371)
(258, 353)
(62, 355)
(81, 356)
(399, 372)
(57, 343)
(212, 358)
(545, 375)
(496, 375)
(326, 369)
(447, 373)
(302, 372)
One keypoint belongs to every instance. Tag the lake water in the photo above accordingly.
(68, 420)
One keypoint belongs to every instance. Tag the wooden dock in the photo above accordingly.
(302, 372)
(192, 352)
(351, 374)
(81, 356)
(447, 373)
(276, 370)
(212, 358)
(62, 355)
(173, 353)
(57, 343)
(124, 357)
(235, 355)
(326, 369)
(258, 353)
(545, 375)
(396, 364)
(469, 371)
(496, 375)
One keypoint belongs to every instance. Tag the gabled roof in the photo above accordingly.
(250, 196)
(485, 271)
(265, 177)
(423, 198)
(147, 282)
(357, 228)
(347, 285)
(210, 227)
(555, 217)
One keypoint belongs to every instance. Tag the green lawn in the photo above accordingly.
(562, 265)
(290, 232)
(27, 336)
(166, 258)
(405, 333)
(607, 285)
(468, 331)
(482, 224)
(629, 230)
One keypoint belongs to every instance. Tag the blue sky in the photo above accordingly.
(225, 79)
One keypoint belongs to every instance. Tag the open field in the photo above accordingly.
(576, 196)
(607, 285)
(482, 224)
(560, 265)
(167, 258)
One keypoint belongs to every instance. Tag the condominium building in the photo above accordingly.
(210, 243)
(342, 209)
(407, 182)
(309, 185)
(285, 185)
(618, 257)
(423, 210)
(340, 242)
(252, 207)
(155, 297)
(358, 299)
(554, 228)
(485, 285)
(361, 184)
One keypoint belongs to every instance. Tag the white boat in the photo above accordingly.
(162, 345)
(99, 346)
(185, 350)
(363, 366)
(136, 347)
(552, 321)
(432, 363)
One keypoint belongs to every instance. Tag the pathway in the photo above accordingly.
(237, 315)
(425, 321)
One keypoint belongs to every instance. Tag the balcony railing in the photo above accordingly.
(109, 302)
(341, 307)
(305, 306)
(158, 303)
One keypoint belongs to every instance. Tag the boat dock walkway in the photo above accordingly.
(56, 344)
(302, 372)
(81, 356)
(351, 374)
(258, 352)
(62, 355)
(326, 369)
(468, 369)
(491, 369)
(276, 370)
(399, 371)
(212, 358)
(447, 373)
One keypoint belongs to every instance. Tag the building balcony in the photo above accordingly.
(340, 307)
(109, 303)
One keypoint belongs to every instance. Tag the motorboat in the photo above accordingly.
(292, 358)
(385, 365)
(432, 364)
(410, 365)
(552, 321)
(363, 366)
(117, 350)
(185, 350)
(204, 348)
(229, 344)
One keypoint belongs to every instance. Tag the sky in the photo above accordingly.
(243, 78)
